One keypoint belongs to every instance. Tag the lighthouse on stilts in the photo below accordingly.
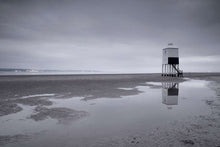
(170, 62)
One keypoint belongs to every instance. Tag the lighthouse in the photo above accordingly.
(170, 61)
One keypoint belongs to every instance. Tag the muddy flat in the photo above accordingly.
(110, 110)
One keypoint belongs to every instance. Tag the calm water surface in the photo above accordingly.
(156, 105)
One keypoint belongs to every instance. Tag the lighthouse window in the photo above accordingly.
(173, 60)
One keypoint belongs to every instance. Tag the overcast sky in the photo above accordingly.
(109, 35)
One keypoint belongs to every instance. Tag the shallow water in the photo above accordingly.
(78, 121)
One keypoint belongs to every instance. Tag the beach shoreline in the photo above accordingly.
(39, 91)
(154, 77)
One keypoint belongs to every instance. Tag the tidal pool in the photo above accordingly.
(56, 119)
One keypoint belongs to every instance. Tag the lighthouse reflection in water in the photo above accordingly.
(170, 92)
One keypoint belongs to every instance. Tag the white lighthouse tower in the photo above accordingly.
(170, 61)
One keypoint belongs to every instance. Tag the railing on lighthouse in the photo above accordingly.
(170, 62)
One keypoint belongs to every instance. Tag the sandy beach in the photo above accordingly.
(87, 110)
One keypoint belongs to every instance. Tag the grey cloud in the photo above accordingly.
(122, 35)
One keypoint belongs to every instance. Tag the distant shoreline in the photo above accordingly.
(92, 74)
(153, 77)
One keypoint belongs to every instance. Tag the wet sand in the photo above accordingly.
(37, 91)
